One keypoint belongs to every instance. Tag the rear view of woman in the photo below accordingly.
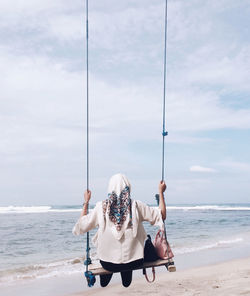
(121, 235)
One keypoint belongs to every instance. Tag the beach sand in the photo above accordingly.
(228, 278)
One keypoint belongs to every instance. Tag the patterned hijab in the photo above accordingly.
(117, 207)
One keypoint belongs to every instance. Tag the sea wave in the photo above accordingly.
(218, 244)
(209, 208)
(43, 270)
(36, 209)
(68, 209)
(35, 272)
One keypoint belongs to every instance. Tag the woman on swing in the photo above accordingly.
(121, 235)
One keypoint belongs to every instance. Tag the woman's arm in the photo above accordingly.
(87, 221)
(162, 205)
(87, 196)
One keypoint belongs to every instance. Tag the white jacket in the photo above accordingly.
(130, 246)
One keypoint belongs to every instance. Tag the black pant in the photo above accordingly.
(126, 270)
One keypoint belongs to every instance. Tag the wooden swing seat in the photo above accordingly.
(97, 269)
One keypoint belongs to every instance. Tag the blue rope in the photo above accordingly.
(164, 132)
(88, 274)
(87, 94)
(90, 278)
(87, 88)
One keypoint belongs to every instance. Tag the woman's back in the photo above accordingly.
(111, 245)
(121, 235)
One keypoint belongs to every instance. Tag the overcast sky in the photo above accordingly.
(42, 99)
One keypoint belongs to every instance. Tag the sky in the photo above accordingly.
(43, 100)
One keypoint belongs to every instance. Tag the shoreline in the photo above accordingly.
(198, 238)
(224, 279)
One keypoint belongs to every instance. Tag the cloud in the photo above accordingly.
(197, 110)
(201, 169)
(43, 84)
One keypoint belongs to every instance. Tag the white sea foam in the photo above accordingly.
(209, 207)
(220, 243)
(44, 270)
(65, 210)
(50, 209)
(34, 209)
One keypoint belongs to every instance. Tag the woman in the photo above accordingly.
(121, 235)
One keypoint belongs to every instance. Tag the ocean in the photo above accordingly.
(37, 242)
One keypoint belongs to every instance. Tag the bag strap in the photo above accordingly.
(164, 236)
(158, 233)
(146, 276)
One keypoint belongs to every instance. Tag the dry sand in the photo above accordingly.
(230, 279)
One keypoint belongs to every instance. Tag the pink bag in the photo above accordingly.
(162, 247)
